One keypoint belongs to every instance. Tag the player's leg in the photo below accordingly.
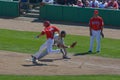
(98, 40)
(65, 53)
(50, 47)
(43, 54)
(37, 54)
(42, 48)
(92, 40)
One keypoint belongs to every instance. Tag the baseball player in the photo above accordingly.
(59, 42)
(49, 31)
(96, 30)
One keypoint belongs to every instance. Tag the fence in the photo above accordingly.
(9, 9)
(76, 14)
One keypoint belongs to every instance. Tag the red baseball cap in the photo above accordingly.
(46, 22)
(96, 12)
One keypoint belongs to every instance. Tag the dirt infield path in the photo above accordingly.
(37, 26)
(16, 63)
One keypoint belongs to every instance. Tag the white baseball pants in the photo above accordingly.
(97, 35)
(48, 47)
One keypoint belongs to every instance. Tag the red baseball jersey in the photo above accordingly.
(49, 31)
(96, 23)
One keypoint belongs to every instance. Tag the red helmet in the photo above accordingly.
(46, 23)
(96, 12)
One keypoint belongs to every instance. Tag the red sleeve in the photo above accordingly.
(43, 32)
(56, 29)
(90, 22)
(101, 21)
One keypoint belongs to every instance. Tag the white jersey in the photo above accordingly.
(58, 39)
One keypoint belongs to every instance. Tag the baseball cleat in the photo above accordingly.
(34, 60)
(90, 51)
(61, 51)
(98, 51)
(65, 57)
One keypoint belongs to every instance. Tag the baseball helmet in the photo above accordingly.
(63, 32)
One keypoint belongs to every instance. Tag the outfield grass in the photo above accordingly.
(82, 77)
(25, 42)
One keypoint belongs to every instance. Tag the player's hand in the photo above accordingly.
(102, 34)
(36, 36)
(90, 33)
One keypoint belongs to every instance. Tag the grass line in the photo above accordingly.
(82, 77)
(24, 42)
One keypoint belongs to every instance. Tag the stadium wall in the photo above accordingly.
(9, 9)
(76, 14)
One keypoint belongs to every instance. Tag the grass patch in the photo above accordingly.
(23, 41)
(82, 77)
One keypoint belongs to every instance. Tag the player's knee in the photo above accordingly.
(49, 51)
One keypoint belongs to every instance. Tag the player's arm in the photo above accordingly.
(71, 46)
(62, 44)
(90, 29)
(102, 26)
(56, 30)
(65, 46)
(41, 34)
(90, 25)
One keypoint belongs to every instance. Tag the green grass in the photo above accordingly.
(82, 77)
(22, 41)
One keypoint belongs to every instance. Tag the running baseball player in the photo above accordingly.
(96, 30)
(49, 31)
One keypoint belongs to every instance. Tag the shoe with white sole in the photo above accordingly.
(34, 60)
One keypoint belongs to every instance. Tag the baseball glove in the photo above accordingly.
(73, 44)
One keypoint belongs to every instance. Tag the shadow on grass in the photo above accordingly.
(84, 53)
